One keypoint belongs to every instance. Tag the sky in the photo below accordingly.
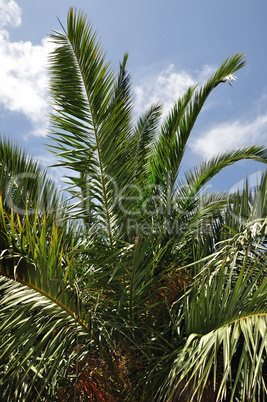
(172, 44)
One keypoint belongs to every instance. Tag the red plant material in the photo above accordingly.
(92, 384)
(172, 285)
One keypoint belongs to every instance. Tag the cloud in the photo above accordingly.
(169, 84)
(226, 136)
(166, 86)
(24, 79)
(23, 73)
(10, 13)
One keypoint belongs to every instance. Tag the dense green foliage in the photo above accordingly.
(143, 286)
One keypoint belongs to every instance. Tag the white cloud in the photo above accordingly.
(10, 13)
(23, 85)
(24, 80)
(227, 136)
(166, 86)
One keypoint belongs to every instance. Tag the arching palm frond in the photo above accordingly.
(42, 331)
(199, 176)
(48, 328)
(234, 212)
(170, 146)
(92, 121)
(23, 183)
(217, 346)
(191, 203)
(40, 341)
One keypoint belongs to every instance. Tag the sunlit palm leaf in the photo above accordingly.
(224, 320)
(92, 123)
(39, 341)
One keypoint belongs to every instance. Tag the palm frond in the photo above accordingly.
(145, 132)
(170, 147)
(92, 121)
(199, 176)
(224, 323)
(23, 183)
(39, 342)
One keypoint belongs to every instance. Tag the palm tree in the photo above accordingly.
(86, 309)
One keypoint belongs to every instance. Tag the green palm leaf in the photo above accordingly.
(40, 302)
(39, 342)
(92, 123)
(165, 313)
(170, 146)
(23, 183)
(224, 325)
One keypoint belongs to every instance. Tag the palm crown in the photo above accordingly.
(138, 277)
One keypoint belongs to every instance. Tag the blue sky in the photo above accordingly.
(172, 44)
